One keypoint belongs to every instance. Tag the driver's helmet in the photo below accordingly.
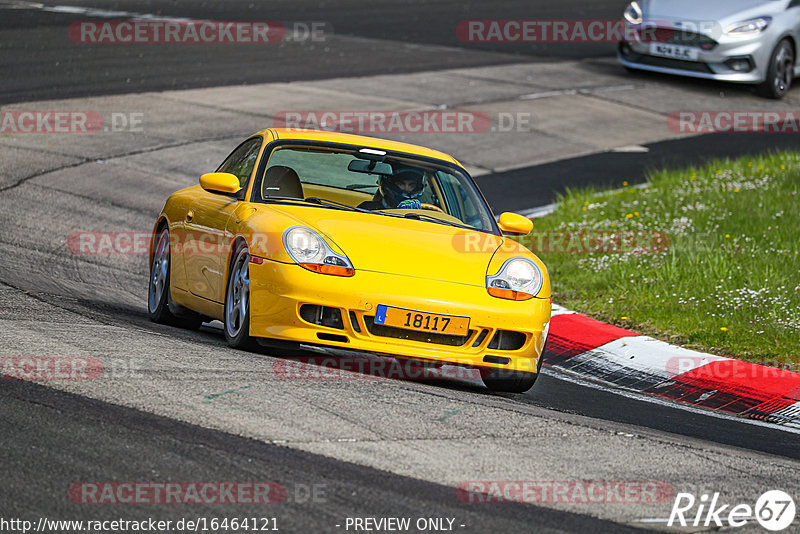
(403, 188)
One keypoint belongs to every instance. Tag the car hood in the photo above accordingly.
(407, 247)
(414, 248)
(722, 11)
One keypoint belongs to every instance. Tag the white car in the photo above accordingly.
(744, 41)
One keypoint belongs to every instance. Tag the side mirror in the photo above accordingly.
(220, 182)
(514, 223)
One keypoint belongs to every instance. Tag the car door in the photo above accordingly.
(207, 242)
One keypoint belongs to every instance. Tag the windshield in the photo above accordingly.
(393, 184)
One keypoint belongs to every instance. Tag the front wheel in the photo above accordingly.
(507, 381)
(780, 72)
(237, 301)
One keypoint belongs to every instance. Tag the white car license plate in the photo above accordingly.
(686, 53)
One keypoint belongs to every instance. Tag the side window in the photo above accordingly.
(242, 160)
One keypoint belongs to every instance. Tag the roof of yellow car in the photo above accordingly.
(358, 140)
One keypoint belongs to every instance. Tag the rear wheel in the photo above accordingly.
(237, 301)
(780, 72)
(160, 306)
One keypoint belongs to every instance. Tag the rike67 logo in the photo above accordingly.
(774, 510)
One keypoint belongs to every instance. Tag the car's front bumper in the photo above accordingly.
(278, 290)
(711, 64)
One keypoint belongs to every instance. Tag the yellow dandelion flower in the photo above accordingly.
(724, 328)
(625, 184)
(629, 216)
(624, 318)
(727, 236)
(736, 190)
(636, 213)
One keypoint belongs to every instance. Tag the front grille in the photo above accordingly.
(678, 37)
(413, 335)
(667, 63)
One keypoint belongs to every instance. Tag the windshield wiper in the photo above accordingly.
(326, 202)
(430, 218)
(318, 201)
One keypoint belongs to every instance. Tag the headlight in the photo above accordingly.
(518, 279)
(747, 27)
(311, 252)
(633, 13)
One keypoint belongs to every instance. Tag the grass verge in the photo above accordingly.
(707, 257)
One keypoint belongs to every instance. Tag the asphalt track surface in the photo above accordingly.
(299, 433)
(65, 428)
(39, 61)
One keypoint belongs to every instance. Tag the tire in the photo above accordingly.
(507, 381)
(160, 306)
(237, 301)
(780, 72)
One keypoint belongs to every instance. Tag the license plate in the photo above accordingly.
(686, 53)
(421, 321)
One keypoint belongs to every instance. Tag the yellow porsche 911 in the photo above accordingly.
(306, 237)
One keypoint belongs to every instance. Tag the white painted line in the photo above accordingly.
(547, 94)
(559, 310)
(582, 91)
(611, 88)
(92, 12)
(789, 415)
(547, 209)
(645, 354)
(541, 211)
(565, 375)
(632, 149)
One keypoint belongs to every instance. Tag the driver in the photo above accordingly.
(399, 191)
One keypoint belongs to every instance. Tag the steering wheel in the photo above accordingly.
(432, 207)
